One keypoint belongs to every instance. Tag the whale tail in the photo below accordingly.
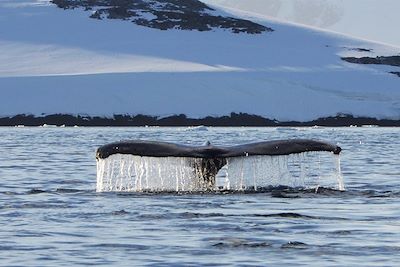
(207, 160)
(206, 170)
(165, 149)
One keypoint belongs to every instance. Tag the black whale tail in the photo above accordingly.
(206, 170)
(207, 160)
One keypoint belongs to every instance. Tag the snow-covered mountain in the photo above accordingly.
(165, 57)
(368, 19)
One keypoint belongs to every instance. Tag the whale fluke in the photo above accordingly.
(208, 151)
(207, 160)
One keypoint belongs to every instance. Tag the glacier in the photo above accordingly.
(56, 61)
(367, 19)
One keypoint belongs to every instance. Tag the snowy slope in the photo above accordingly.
(368, 19)
(61, 61)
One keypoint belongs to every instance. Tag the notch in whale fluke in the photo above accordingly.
(208, 151)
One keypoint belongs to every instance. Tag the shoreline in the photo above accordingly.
(233, 120)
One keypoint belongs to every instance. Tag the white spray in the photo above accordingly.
(128, 173)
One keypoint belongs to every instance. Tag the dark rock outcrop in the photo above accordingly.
(163, 14)
(234, 119)
(390, 60)
(395, 73)
(359, 49)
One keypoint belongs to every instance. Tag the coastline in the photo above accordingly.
(233, 120)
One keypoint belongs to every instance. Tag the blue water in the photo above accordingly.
(50, 214)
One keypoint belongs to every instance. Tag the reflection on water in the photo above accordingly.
(51, 214)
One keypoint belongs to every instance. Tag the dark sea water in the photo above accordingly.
(51, 215)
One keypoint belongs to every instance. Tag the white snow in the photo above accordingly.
(368, 19)
(37, 60)
(22, 3)
(61, 61)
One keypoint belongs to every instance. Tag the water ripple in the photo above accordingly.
(51, 215)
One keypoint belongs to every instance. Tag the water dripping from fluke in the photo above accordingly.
(148, 166)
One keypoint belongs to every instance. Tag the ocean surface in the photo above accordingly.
(51, 214)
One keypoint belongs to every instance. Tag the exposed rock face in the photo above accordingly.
(391, 60)
(359, 49)
(234, 119)
(395, 73)
(164, 14)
